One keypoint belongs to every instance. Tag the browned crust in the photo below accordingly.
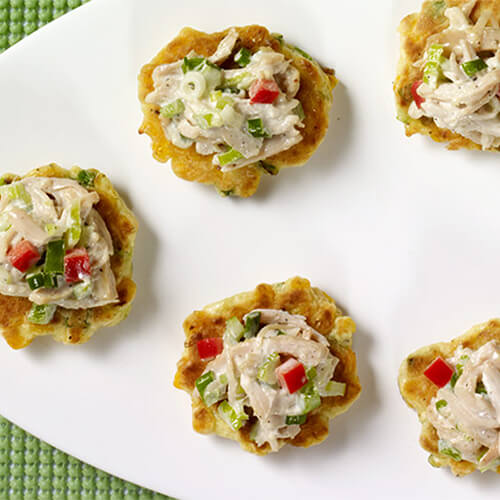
(415, 29)
(77, 326)
(315, 94)
(297, 297)
(417, 390)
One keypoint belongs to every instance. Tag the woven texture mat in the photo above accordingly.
(29, 468)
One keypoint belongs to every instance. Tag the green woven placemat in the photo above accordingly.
(29, 468)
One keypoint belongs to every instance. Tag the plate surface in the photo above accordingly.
(403, 233)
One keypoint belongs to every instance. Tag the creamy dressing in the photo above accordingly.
(45, 212)
(466, 104)
(240, 367)
(222, 95)
(467, 416)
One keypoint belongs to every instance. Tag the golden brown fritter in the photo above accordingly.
(295, 296)
(414, 30)
(417, 390)
(76, 326)
(315, 94)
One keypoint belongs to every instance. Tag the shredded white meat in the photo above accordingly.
(465, 104)
(228, 127)
(44, 214)
(284, 334)
(468, 419)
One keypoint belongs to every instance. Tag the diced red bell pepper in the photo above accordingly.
(209, 348)
(23, 255)
(263, 91)
(76, 265)
(439, 372)
(292, 375)
(416, 96)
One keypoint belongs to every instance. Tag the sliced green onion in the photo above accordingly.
(209, 120)
(333, 388)
(303, 53)
(17, 191)
(432, 70)
(73, 234)
(242, 57)
(51, 229)
(256, 128)
(480, 388)
(279, 37)
(173, 109)
(82, 290)
(203, 381)
(252, 324)
(212, 74)
(231, 416)
(54, 259)
(228, 157)
(268, 168)
(310, 398)
(86, 178)
(446, 449)
(41, 314)
(299, 111)
(189, 64)
(234, 331)
(41, 280)
(472, 67)
(223, 379)
(266, 372)
(241, 81)
(441, 404)
(456, 374)
(193, 85)
(220, 100)
(311, 373)
(295, 419)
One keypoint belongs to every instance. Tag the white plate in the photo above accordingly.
(401, 231)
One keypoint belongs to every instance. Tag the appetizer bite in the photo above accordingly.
(225, 107)
(448, 82)
(455, 388)
(66, 244)
(270, 366)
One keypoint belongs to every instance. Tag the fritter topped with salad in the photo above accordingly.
(66, 243)
(455, 388)
(448, 82)
(269, 367)
(225, 107)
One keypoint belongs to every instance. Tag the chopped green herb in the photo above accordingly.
(86, 178)
(173, 109)
(472, 67)
(203, 381)
(231, 416)
(229, 157)
(441, 404)
(252, 323)
(446, 449)
(54, 259)
(192, 63)
(268, 168)
(295, 419)
(256, 128)
(242, 57)
(41, 314)
(480, 388)
(303, 53)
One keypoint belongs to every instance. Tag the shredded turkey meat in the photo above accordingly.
(245, 374)
(41, 210)
(211, 107)
(461, 87)
(466, 412)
